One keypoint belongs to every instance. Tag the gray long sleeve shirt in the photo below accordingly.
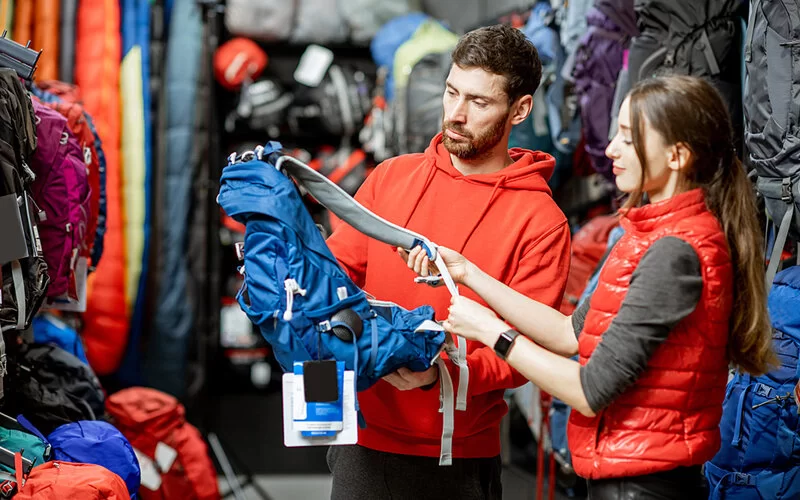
(665, 288)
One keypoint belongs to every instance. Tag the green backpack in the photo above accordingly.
(33, 448)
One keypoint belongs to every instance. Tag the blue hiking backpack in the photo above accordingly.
(760, 452)
(93, 442)
(48, 329)
(294, 290)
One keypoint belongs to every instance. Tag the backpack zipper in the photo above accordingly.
(291, 287)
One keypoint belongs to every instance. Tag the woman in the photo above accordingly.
(680, 297)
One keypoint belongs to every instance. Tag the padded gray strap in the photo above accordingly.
(335, 199)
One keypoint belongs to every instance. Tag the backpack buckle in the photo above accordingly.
(324, 326)
(786, 190)
(239, 248)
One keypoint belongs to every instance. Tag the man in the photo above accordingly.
(470, 193)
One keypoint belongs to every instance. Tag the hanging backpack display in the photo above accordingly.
(365, 17)
(61, 189)
(336, 107)
(262, 106)
(686, 37)
(420, 68)
(65, 98)
(270, 20)
(79, 126)
(598, 61)
(772, 114)
(388, 39)
(173, 456)
(318, 21)
(24, 270)
(760, 424)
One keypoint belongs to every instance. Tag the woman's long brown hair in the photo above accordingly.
(688, 111)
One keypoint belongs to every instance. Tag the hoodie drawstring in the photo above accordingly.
(497, 185)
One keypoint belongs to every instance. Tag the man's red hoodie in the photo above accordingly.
(508, 225)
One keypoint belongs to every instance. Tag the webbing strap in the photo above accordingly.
(780, 242)
(447, 408)
(463, 374)
(737, 433)
(748, 38)
(19, 291)
(373, 354)
(708, 51)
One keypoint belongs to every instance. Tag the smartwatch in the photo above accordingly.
(504, 343)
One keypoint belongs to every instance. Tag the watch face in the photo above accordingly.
(504, 342)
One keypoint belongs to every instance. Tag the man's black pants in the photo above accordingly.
(364, 474)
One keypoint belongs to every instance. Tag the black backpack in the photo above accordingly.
(52, 387)
(335, 107)
(24, 272)
(772, 115)
(418, 113)
(687, 37)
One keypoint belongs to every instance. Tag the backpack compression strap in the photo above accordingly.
(335, 199)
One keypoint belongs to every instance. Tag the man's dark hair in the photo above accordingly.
(505, 51)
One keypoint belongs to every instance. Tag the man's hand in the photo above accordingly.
(405, 380)
(417, 260)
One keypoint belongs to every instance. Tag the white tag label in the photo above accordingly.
(348, 435)
(341, 292)
(165, 456)
(299, 408)
(151, 479)
(313, 65)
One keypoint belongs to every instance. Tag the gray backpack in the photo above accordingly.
(772, 114)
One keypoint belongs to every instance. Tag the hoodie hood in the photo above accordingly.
(530, 171)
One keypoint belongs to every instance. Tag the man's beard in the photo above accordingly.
(473, 147)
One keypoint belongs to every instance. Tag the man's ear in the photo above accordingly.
(521, 109)
(679, 157)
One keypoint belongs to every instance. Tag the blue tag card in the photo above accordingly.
(317, 398)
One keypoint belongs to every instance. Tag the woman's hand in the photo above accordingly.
(474, 321)
(417, 259)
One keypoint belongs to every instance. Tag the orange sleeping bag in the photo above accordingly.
(97, 70)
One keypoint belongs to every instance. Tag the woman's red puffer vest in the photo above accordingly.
(670, 416)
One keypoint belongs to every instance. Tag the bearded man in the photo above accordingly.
(468, 192)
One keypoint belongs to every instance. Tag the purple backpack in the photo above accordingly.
(61, 190)
(598, 61)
